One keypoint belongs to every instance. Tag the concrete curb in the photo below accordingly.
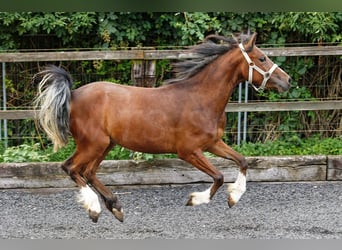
(175, 171)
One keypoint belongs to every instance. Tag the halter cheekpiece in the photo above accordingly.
(252, 66)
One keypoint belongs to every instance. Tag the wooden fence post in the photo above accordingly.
(143, 73)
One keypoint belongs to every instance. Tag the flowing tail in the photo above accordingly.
(52, 104)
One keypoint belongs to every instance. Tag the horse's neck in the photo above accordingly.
(214, 86)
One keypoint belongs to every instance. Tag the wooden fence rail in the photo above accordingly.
(141, 54)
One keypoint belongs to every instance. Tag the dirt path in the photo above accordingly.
(266, 211)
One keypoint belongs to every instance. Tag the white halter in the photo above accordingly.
(251, 64)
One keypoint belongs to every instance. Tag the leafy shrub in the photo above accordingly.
(293, 146)
(24, 153)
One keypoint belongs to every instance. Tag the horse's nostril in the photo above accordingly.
(290, 80)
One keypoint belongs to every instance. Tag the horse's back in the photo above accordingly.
(131, 116)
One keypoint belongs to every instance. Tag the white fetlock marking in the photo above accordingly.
(238, 188)
(198, 198)
(89, 199)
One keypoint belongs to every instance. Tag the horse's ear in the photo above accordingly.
(251, 41)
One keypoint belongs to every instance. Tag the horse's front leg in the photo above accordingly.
(198, 160)
(238, 188)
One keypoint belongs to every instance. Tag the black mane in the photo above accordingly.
(206, 52)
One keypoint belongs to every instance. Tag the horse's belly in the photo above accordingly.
(148, 134)
(147, 142)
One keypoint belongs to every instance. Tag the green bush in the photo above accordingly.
(24, 153)
(292, 146)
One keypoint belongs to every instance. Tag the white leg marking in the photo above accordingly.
(237, 189)
(89, 199)
(198, 198)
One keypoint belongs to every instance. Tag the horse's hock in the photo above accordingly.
(175, 171)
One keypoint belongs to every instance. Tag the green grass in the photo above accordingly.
(291, 146)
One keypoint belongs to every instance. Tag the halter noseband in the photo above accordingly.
(251, 65)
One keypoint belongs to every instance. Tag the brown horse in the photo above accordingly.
(185, 116)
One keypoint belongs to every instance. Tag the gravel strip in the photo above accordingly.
(311, 210)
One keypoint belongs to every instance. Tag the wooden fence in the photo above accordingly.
(175, 171)
(231, 107)
(152, 54)
(140, 54)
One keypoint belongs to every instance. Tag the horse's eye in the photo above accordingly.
(262, 59)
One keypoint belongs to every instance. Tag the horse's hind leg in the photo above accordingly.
(94, 150)
(110, 199)
(82, 167)
(86, 196)
(238, 188)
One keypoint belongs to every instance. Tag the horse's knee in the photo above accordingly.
(219, 179)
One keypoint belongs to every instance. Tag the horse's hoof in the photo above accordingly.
(231, 202)
(235, 191)
(118, 214)
(94, 216)
(189, 203)
(198, 198)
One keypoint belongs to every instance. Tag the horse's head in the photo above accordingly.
(259, 70)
